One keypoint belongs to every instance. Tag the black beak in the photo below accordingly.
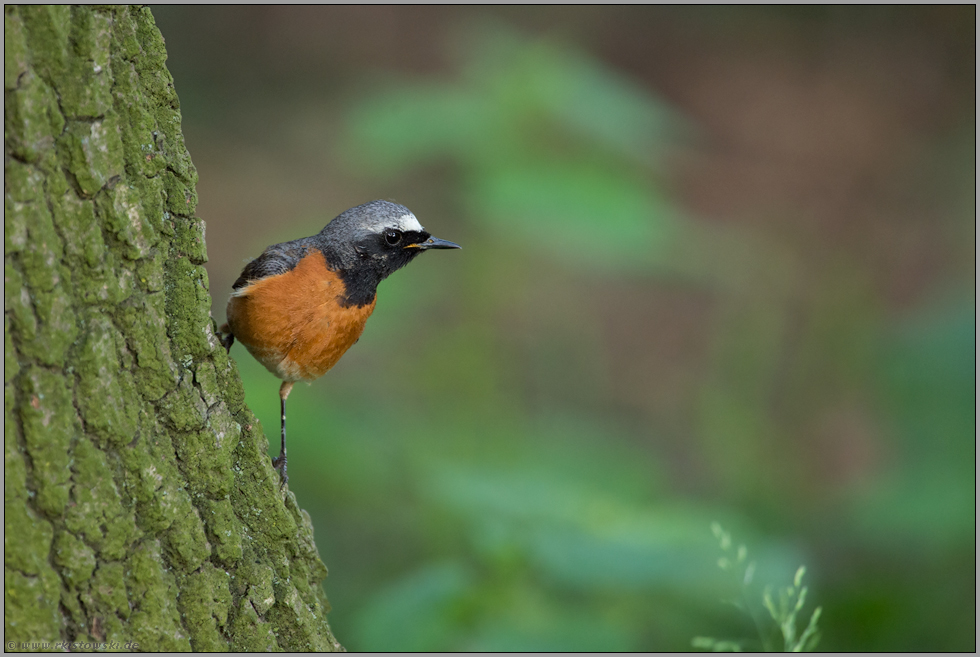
(434, 243)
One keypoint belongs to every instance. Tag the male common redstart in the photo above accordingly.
(300, 305)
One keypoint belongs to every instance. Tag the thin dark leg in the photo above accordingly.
(280, 462)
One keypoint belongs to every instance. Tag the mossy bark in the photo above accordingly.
(140, 504)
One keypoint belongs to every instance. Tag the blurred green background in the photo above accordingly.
(718, 265)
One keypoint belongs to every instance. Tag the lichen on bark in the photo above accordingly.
(139, 501)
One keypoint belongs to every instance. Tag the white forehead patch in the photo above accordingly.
(407, 223)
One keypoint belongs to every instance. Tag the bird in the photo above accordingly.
(299, 306)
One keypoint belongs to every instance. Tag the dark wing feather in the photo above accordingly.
(277, 259)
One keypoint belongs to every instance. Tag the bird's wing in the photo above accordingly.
(277, 259)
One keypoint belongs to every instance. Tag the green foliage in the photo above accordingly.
(927, 369)
(791, 600)
(553, 148)
(551, 537)
(473, 453)
(523, 448)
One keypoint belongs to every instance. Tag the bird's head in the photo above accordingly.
(377, 239)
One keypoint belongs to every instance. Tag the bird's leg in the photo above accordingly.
(280, 462)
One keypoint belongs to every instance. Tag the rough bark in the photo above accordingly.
(140, 504)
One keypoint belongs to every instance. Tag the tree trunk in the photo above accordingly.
(140, 503)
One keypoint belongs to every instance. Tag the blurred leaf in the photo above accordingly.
(578, 92)
(549, 626)
(406, 126)
(929, 384)
(557, 150)
(583, 209)
(665, 553)
(415, 613)
(335, 447)
(580, 536)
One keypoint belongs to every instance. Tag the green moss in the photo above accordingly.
(155, 620)
(108, 591)
(93, 153)
(204, 455)
(91, 265)
(144, 325)
(97, 513)
(206, 380)
(304, 546)
(188, 303)
(36, 284)
(86, 89)
(14, 227)
(22, 183)
(205, 600)
(76, 560)
(301, 628)
(186, 543)
(32, 118)
(142, 481)
(184, 408)
(181, 197)
(47, 420)
(14, 468)
(10, 365)
(17, 301)
(137, 482)
(150, 272)
(57, 328)
(189, 240)
(124, 211)
(125, 45)
(152, 195)
(119, 533)
(72, 604)
(43, 250)
(261, 593)
(27, 536)
(229, 381)
(255, 480)
(14, 48)
(154, 482)
(250, 634)
(103, 389)
(30, 606)
(47, 33)
(51, 169)
(204, 465)
(224, 531)
(82, 234)
(152, 64)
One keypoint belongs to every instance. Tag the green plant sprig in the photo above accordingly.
(791, 600)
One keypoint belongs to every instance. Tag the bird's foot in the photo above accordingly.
(279, 464)
(226, 337)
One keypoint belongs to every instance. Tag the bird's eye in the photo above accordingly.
(393, 237)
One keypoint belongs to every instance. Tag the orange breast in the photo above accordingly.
(293, 323)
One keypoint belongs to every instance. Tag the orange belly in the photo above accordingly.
(293, 323)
